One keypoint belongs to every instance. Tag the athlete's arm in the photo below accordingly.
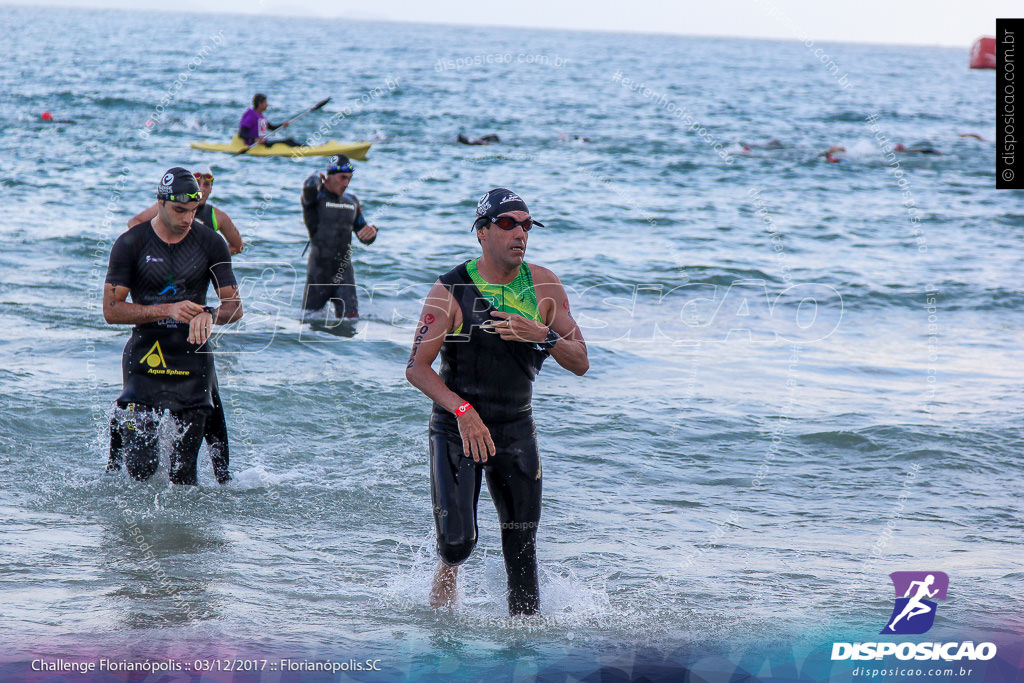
(224, 283)
(230, 310)
(118, 311)
(230, 232)
(310, 192)
(439, 317)
(143, 216)
(366, 233)
(570, 351)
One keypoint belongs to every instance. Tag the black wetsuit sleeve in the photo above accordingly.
(220, 264)
(360, 221)
(310, 213)
(121, 267)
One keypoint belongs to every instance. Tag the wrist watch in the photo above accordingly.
(550, 340)
(211, 310)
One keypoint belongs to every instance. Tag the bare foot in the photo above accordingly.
(442, 594)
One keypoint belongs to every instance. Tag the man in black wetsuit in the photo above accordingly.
(166, 265)
(332, 215)
(493, 320)
(207, 214)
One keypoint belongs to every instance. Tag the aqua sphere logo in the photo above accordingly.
(914, 613)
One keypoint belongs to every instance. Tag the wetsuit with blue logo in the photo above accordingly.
(496, 377)
(330, 220)
(160, 368)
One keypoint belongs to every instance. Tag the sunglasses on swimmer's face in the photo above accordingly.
(200, 177)
(509, 223)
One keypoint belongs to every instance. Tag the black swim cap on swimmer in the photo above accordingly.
(339, 163)
(179, 185)
(496, 202)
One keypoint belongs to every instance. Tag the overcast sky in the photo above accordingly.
(916, 22)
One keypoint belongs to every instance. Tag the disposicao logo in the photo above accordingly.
(913, 614)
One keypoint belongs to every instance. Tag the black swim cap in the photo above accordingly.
(496, 202)
(179, 185)
(339, 163)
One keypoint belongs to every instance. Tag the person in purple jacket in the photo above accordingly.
(254, 126)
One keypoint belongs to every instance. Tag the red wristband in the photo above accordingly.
(462, 410)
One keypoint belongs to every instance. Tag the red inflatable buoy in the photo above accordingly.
(47, 116)
(983, 53)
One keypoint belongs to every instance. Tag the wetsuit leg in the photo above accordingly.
(116, 457)
(320, 286)
(217, 439)
(185, 450)
(514, 481)
(454, 491)
(136, 435)
(346, 303)
(316, 295)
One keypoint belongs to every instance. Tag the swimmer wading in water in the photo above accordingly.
(166, 265)
(494, 320)
(216, 434)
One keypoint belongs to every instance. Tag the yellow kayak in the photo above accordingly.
(353, 150)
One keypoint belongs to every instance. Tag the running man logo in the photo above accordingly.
(913, 614)
(154, 358)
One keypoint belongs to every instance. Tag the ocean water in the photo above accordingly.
(804, 375)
